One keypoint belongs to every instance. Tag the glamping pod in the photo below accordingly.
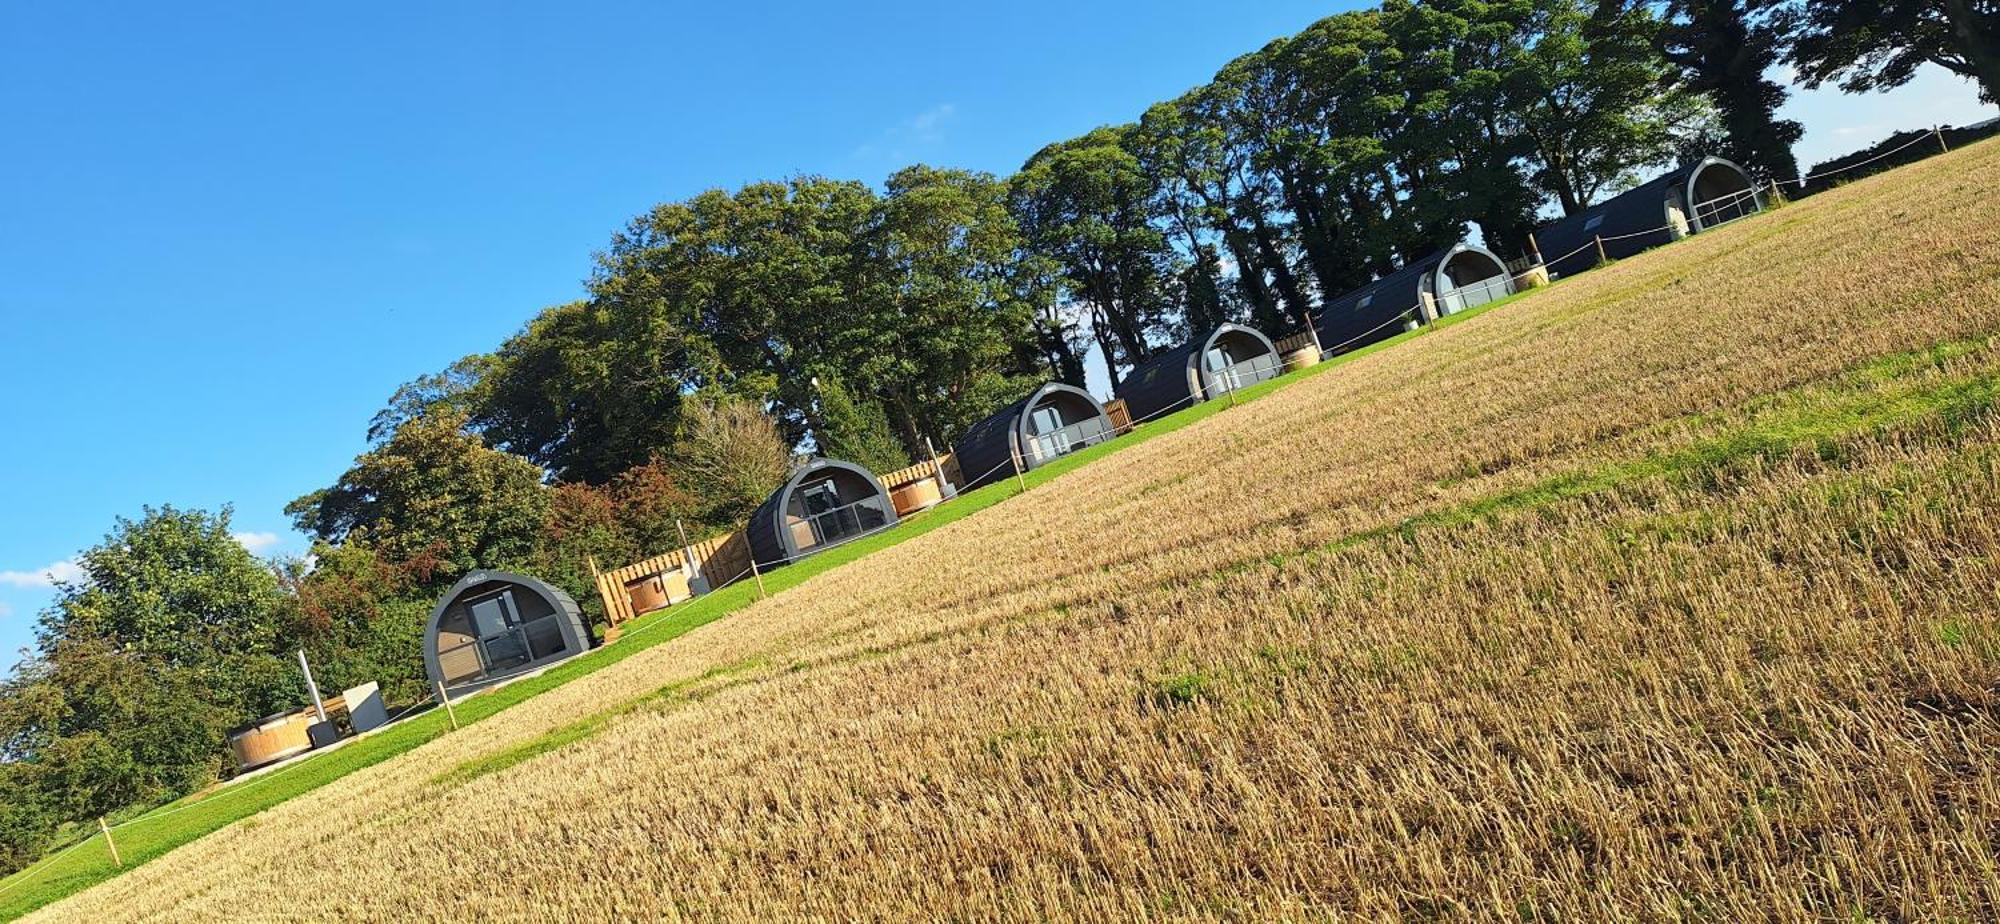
(824, 503)
(1453, 279)
(492, 624)
(1054, 421)
(1687, 200)
(1230, 357)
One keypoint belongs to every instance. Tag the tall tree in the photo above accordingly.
(945, 316)
(1087, 204)
(1596, 98)
(1723, 48)
(174, 633)
(855, 429)
(1869, 45)
(432, 491)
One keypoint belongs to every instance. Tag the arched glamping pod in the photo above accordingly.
(1687, 200)
(1054, 421)
(492, 624)
(1230, 357)
(824, 503)
(1459, 277)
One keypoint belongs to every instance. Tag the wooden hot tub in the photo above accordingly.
(271, 738)
(915, 496)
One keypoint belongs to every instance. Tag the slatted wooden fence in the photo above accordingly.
(918, 472)
(1298, 341)
(1121, 417)
(716, 560)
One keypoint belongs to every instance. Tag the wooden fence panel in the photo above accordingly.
(1121, 417)
(1298, 341)
(918, 472)
(717, 558)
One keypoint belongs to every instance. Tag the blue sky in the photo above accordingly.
(229, 231)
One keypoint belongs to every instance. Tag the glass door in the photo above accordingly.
(496, 622)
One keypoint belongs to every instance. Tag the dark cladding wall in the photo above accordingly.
(769, 532)
(1168, 381)
(1375, 311)
(985, 453)
(1634, 221)
(1378, 310)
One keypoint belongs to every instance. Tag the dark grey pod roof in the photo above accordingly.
(986, 453)
(771, 542)
(1170, 379)
(1642, 208)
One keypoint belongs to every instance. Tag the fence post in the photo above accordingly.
(1601, 257)
(449, 712)
(1942, 147)
(108, 842)
(1014, 448)
(755, 572)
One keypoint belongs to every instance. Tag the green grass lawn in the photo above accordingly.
(156, 832)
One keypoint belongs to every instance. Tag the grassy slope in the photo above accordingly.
(150, 835)
(1938, 395)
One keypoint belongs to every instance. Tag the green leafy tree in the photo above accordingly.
(454, 389)
(1866, 45)
(732, 456)
(855, 429)
(1723, 49)
(361, 618)
(1087, 206)
(432, 492)
(1597, 100)
(943, 310)
(586, 390)
(173, 634)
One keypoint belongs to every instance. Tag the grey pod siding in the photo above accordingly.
(1373, 312)
(1641, 211)
(537, 598)
(1172, 379)
(772, 543)
(986, 453)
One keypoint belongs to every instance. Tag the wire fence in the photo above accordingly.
(1934, 134)
(755, 569)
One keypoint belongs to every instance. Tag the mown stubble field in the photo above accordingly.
(1667, 594)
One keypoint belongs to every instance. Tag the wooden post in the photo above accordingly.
(757, 573)
(1942, 147)
(1014, 447)
(1601, 257)
(108, 842)
(1534, 247)
(1232, 387)
(449, 712)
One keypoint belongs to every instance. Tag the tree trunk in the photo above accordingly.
(1288, 284)
(1249, 275)
(1101, 332)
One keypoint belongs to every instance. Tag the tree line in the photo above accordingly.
(722, 334)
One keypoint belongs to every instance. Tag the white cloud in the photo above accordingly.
(255, 542)
(909, 139)
(5, 610)
(64, 571)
